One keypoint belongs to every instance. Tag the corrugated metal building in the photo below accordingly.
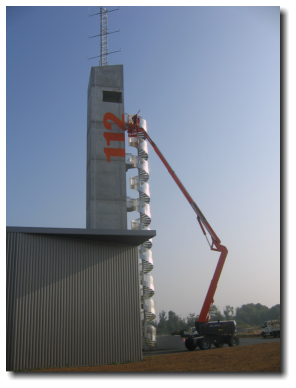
(73, 297)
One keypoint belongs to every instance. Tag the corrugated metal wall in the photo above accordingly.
(71, 302)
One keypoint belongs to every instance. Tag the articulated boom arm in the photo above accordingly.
(133, 129)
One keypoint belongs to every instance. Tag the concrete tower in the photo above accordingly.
(106, 172)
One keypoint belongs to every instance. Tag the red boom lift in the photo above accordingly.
(217, 333)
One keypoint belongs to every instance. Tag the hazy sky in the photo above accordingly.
(207, 80)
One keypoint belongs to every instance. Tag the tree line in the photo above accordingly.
(248, 315)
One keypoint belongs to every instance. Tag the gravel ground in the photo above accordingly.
(264, 357)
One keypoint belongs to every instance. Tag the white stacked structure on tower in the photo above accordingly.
(142, 206)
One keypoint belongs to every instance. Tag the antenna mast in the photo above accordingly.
(104, 36)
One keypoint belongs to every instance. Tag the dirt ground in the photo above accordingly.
(252, 358)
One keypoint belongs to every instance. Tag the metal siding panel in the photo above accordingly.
(83, 322)
(51, 331)
(23, 305)
(10, 294)
(46, 306)
(112, 303)
(9, 306)
(86, 313)
(18, 344)
(25, 296)
(71, 302)
(126, 308)
(105, 311)
(68, 301)
(101, 313)
(40, 304)
(11, 242)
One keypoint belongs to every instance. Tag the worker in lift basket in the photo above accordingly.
(135, 119)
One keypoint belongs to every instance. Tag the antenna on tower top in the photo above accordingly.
(104, 36)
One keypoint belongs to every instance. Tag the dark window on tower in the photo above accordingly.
(112, 96)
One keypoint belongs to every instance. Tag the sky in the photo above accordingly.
(207, 81)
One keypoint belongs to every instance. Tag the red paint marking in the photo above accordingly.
(114, 152)
(116, 120)
(109, 136)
